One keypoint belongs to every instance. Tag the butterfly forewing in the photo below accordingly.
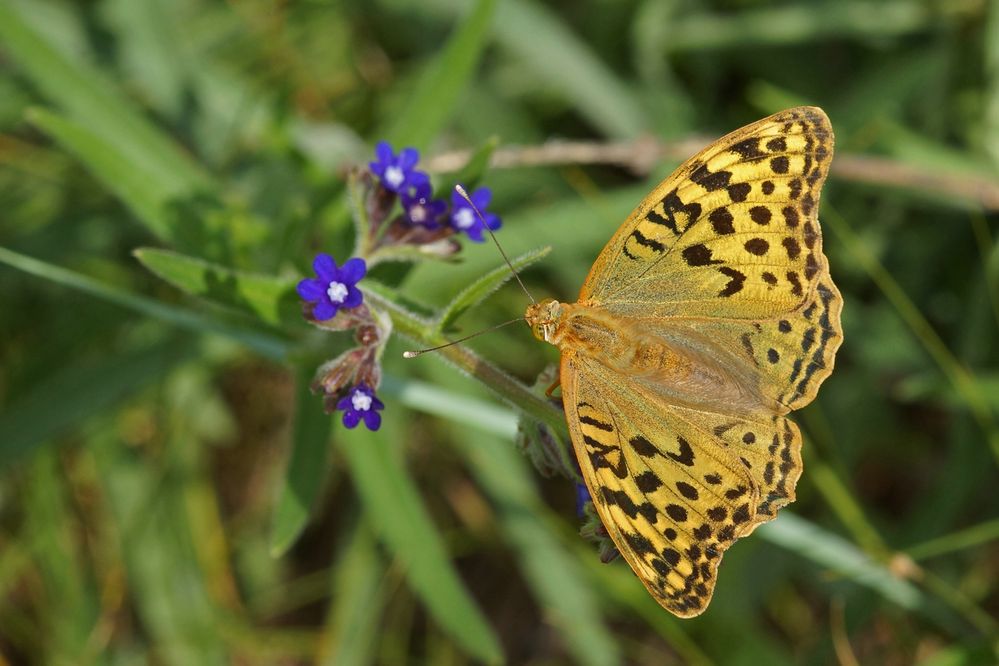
(733, 232)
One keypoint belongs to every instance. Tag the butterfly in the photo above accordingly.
(707, 318)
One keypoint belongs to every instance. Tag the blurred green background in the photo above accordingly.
(151, 510)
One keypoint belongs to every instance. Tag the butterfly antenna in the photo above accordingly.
(464, 195)
(414, 354)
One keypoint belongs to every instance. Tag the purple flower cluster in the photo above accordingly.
(398, 174)
(334, 289)
(333, 300)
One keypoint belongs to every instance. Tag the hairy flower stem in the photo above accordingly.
(421, 331)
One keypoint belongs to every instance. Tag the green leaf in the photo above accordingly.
(92, 101)
(146, 197)
(403, 523)
(479, 290)
(81, 391)
(271, 299)
(438, 92)
(430, 399)
(359, 595)
(829, 550)
(553, 574)
(264, 343)
(152, 509)
(307, 467)
(57, 558)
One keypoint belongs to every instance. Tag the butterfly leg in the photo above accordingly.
(551, 389)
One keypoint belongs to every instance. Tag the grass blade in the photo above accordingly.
(96, 387)
(93, 102)
(437, 94)
(359, 595)
(264, 343)
(401, 520)
(553, 574)
(307, 467)
(147, 199)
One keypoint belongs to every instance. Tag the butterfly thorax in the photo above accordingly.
(587, 329)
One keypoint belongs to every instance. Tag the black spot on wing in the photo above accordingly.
(601, 425)
(687, 490)
(643, 447)
(760, 215)
(639, 543)
(757, 246)
(676, 512)
(792, 247)
(795, 281)
(791, 217)
(650, 243)
(749, 149)
(736, 280)
(686, 454)
(698, 255)
(648, 482)
(739, 191)
(600, 455)
(710, 180)
(722, 221)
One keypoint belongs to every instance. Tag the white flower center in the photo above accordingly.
(360, 402)
(394, 176)
(418, 213)
(337, 292)
(464, 218)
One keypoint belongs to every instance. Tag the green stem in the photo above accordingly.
(421, 331)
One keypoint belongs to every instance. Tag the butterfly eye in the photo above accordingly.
(539, 331)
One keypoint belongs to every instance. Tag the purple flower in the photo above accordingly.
(396, 172)
(582, 499)
(332, 288)
(421, 209)
(464, 218)
(361, 403)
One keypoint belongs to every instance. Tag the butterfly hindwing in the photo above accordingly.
(783, 360)
(676, 491)
(733, 232)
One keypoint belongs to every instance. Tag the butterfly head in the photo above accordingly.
(544, 318)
